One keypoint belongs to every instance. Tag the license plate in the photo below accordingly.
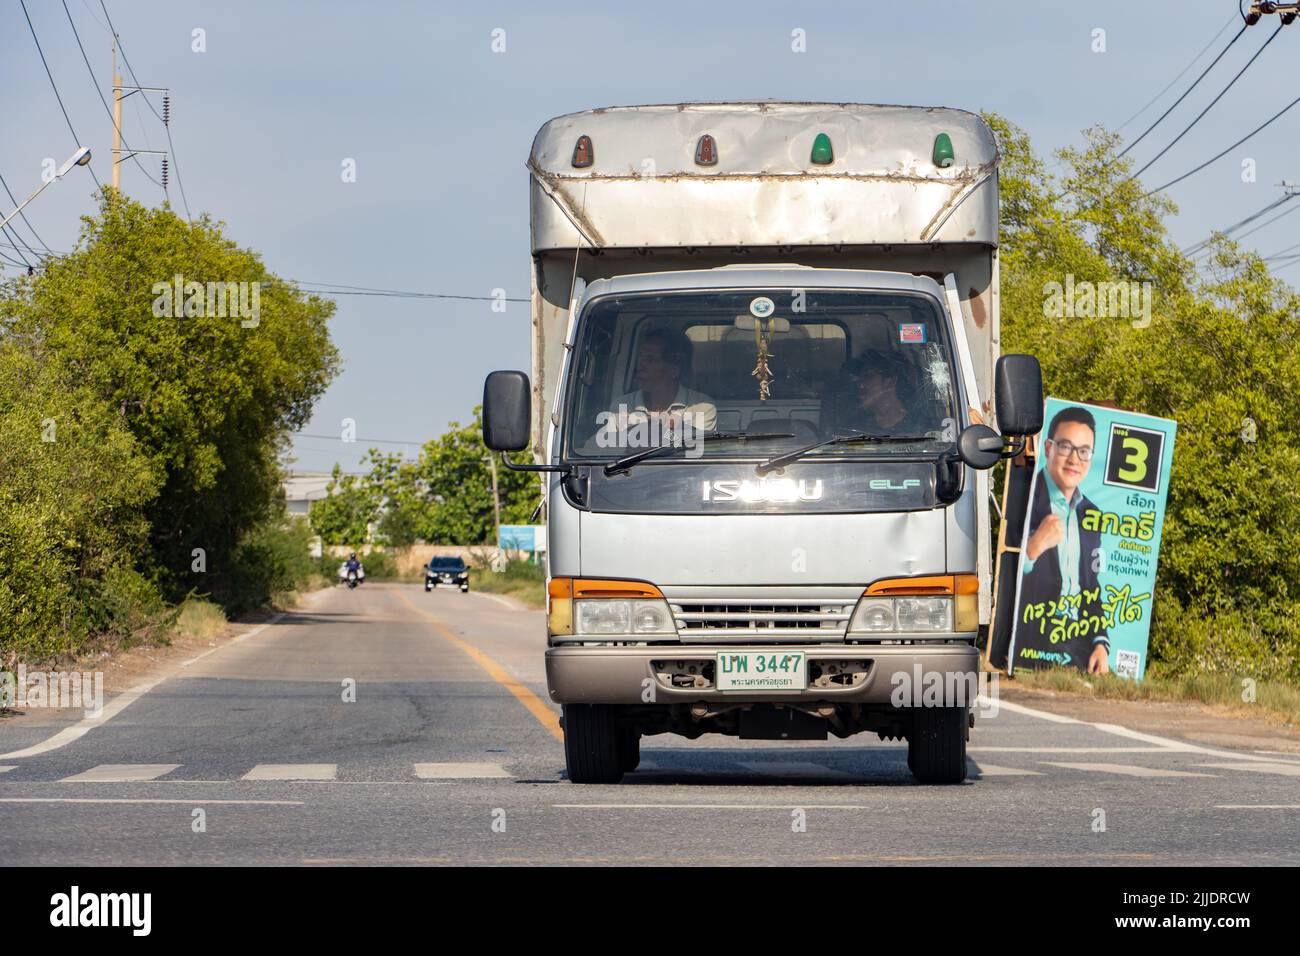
(761, 670)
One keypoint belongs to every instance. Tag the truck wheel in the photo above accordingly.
(591, 744)
(936, 748)
(629, 750)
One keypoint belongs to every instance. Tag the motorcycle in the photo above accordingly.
(352, 579)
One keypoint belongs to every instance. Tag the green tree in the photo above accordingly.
(346, 512)
(208, 400)
(1221, 356)
(454, 468)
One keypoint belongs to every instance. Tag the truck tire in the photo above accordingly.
(629, 750)
(591, 744)
(936, 748)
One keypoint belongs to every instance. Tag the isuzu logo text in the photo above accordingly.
(763, 490)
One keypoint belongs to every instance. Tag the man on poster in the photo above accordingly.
(1057, 565)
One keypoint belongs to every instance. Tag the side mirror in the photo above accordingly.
(980, 447)
(507, 411)
(1018, 390)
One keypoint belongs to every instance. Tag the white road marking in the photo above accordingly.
(121, 773)
(984, 701)
(189, 803)
(460, 771)
(7, 769)
(1127, 770)
(292, 771)
(498, 599)
(1069, 750)
(1285, 769)
(993, 770)
(709, 806)
(782, 768)
(1163, 743)
(1280, 753)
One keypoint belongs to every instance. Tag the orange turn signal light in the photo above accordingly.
(928, 584)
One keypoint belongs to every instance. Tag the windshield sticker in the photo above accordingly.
(911, 333)
(762, 307)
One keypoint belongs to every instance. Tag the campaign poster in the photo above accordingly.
(1092, 539)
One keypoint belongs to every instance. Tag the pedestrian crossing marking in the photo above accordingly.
(293, 771)
(1127, 770)
(122, 773)
(460, 771)
(993, 770)
(1285, 769)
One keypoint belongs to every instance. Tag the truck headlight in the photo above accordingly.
(614, 616)
(934, 604)
(924, 613)
(877, 615)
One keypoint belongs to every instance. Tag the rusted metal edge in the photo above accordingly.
(957, 198)
(576, 217)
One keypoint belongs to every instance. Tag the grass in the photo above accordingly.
(1273, 699)
(521, 580)
(199, 618)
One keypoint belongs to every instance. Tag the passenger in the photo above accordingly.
(673, 412)
(887, 399)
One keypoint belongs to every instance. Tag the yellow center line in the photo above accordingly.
(536, 706)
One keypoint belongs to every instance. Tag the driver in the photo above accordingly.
(673, 412)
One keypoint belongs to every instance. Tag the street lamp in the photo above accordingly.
(80, 158)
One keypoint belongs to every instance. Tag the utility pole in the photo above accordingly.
(496, 498)
(117, 122)
(118, 158)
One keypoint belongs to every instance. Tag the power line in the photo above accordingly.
(1272, 36)
(1217, 156)
(1269, 222)
(1188, 90)
(337, 289)
(22, 215)
(55, 87)
(366, 441)
(166, 121)
(100, 94)
(304, 286)
(1237, 225)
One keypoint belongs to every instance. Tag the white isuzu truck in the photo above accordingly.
(765, 371)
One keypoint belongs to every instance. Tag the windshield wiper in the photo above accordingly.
(780, 461)
(625, 464)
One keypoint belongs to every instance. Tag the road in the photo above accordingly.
(450, 753)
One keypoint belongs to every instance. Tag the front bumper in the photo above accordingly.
(622, 675)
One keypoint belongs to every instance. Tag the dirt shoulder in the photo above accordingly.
(1213, 726)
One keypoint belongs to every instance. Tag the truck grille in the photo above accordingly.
(712, 618)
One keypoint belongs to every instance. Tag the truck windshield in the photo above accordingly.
(788, 367)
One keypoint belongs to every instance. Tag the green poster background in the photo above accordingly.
(1096, 586)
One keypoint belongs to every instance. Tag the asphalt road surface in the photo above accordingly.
(451, 753)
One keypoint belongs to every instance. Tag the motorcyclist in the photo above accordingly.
(353, 565)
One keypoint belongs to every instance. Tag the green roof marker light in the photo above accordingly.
(943, 156)
(822, 154)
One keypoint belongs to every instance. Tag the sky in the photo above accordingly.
(439, 127)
